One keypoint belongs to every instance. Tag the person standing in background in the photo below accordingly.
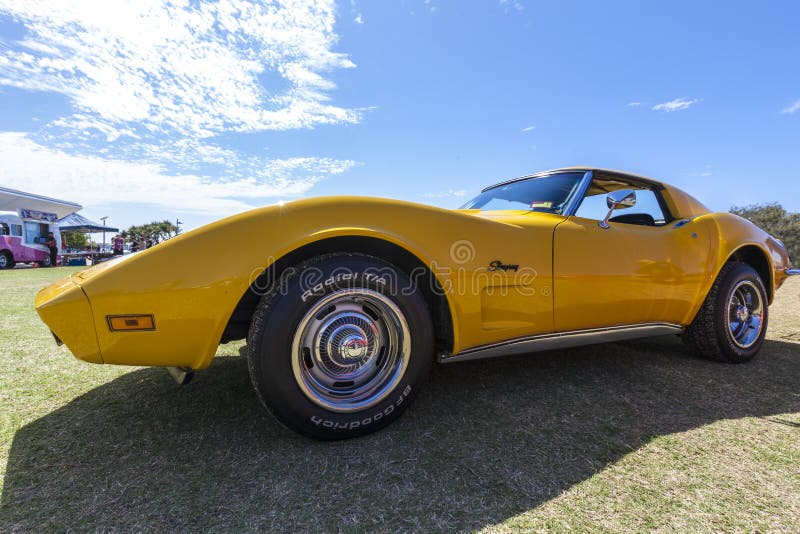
(119, 245)
(51, 244)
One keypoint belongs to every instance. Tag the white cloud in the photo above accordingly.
(705, 173)
(675, 105)
(529, 128)
(150, 81)
(39, 47)
(189, 156)
(83, 127)
(633, 104)
(97, 181)
(447, 193)
(516, 4)
(792, 109)
(196, 69)
(358, 17)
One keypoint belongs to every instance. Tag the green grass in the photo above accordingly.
(624, 436)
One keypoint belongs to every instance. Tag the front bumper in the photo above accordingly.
(65, 309)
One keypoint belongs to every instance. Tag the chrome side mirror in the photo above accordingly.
(617, 200)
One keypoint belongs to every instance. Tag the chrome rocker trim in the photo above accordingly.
(562, 340)
(792, 272)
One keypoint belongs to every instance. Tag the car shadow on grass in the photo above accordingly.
(484, 441)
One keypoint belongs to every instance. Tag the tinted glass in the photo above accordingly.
(548, 194)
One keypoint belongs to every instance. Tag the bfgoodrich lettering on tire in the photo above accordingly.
(340, 346)
(732, 322)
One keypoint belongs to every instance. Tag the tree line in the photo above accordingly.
(775, 220)
(155, 231)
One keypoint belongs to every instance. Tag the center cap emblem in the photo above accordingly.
(353, 347)
(742, 313)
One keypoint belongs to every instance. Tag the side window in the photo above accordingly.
(31, 231)
(3, 229)
(646, 212)
(16, 230)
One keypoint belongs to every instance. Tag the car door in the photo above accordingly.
(504, 290)
(499, 271)
(643, 268)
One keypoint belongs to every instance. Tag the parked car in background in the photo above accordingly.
(346, 302)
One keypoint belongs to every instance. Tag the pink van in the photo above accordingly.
(23, 240)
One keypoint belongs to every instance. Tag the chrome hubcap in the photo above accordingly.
(350, 350)
(745, 314)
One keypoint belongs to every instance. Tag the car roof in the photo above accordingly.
(598, 172)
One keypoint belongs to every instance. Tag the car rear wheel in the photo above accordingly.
(340, 346)
(44, 263)
(6, 260)
(732, 322)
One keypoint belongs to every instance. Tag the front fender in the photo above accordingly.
(731, 235)
(192, 283)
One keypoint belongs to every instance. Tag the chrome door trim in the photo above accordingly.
(562, 340)
(575, 202)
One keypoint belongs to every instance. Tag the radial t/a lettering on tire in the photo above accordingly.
(340, 345)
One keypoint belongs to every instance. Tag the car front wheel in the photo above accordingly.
(340, 345)
(732, 322)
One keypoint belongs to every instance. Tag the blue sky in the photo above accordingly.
(145, 110)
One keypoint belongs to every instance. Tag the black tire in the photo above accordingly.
(44, 263)
(713, 333)
(6, 260)
(294, 334)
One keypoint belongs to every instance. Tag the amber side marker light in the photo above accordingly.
(122, 323)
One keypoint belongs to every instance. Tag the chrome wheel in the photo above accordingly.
(4, 261)
(350, 350)
(745, 314)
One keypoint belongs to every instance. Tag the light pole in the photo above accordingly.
(104, 232)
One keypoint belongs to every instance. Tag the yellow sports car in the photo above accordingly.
(346, 302)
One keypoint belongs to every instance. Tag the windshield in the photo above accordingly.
(548, 194)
